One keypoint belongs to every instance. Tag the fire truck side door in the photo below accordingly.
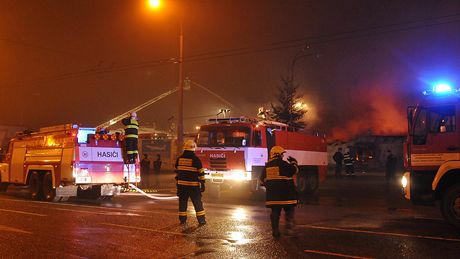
(270, 137)
(17, 165)
(443, 132)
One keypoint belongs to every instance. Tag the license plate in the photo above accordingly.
(81, 179)
(218, 175)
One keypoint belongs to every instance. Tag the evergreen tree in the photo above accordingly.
(286, 110)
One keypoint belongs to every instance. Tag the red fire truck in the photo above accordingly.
(432, 152)
(67, 160)
(234, 150)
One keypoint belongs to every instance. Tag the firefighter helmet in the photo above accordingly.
(276, 151)
(189, 145)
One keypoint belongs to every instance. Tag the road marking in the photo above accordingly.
(100, 207)
(335, 254)
(145, 229)
(24, 212)
(380, 233)
(5, 228)
(100, 213)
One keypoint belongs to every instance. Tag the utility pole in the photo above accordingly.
(180, 116)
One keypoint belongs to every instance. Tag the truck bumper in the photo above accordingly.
(71, 190)
(232, 175)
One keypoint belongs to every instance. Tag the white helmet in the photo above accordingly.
(134, 114)
(189, 145)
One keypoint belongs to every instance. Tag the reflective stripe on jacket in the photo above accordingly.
(277, 177)
(131, 127)
(189, 171)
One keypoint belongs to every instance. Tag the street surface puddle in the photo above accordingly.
(237, 238)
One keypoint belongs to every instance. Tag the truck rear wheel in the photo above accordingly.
(450, 205)
(48, 191)
(35, 186)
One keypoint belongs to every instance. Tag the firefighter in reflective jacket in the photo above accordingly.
(281, 192)
(131, 136)
(190, 183)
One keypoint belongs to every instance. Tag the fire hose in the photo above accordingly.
(151, 196)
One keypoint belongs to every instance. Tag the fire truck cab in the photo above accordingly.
(235, 150)
(67, 160)
(432, 152)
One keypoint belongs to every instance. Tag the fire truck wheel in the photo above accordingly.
(48, 191)
(450, 205)
(35, 186)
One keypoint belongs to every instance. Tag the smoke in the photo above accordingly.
(375, 109)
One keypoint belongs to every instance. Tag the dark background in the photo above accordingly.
(87, 61)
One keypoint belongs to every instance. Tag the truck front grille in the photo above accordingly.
(218, 164)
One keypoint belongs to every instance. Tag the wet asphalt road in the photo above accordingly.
(349, 218)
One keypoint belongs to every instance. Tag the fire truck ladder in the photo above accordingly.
(137, 108)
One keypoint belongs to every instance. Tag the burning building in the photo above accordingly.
(370, 151)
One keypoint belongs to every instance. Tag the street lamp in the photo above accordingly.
(155, 4)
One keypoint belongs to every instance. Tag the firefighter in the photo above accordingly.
(348, 161)
(338, 159)
(190, 183)
(131, 136)
(281, 192)
(390, 167)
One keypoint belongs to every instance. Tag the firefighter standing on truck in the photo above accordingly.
(190, 183)
(281, 192)
(131, 137)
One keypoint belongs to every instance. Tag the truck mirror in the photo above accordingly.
(410, 119)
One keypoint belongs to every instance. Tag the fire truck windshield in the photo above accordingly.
(223, 137)
(83, 134)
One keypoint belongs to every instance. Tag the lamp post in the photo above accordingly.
(155, 4)
(180, 117)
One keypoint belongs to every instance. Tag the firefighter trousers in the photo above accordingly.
(131, 149)
(276, 214)
(194, 193)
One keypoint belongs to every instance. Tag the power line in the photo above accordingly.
(34, 46)
(287, 44)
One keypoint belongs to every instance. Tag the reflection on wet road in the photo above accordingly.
(338, 222)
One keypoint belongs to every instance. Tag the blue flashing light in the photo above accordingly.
(442, 88)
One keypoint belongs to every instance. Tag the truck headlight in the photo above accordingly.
(404, 181)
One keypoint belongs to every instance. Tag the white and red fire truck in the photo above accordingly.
(234, 150)
(432, 152)
(67, 160)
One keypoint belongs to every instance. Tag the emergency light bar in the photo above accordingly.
(441, 89)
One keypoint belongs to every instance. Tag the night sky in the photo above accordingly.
(88, 61)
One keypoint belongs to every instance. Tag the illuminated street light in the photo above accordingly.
(153, 4)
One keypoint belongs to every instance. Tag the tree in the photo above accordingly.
(286, 109)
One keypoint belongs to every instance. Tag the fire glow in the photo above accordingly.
(381, 112)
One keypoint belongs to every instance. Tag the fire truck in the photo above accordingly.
(235, 150)
(432, 152)
(67, 160)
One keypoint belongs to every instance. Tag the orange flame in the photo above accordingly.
(381, 113)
